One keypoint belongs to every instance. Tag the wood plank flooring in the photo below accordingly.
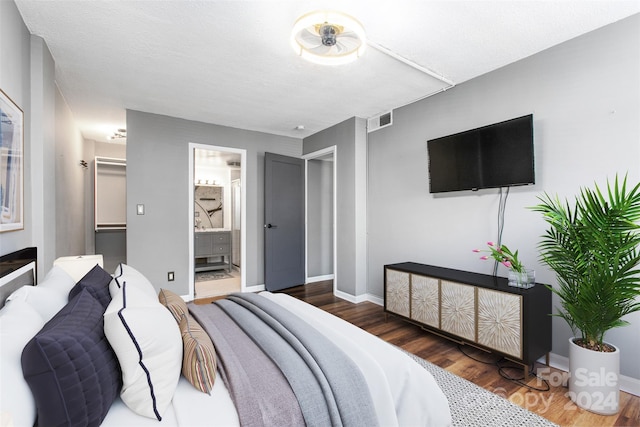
(552, 404)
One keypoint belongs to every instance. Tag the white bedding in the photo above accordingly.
(404, 393)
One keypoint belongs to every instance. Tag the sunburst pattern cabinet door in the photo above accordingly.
(425, 303)
(458, 310)
(397, 297)
(500, 321)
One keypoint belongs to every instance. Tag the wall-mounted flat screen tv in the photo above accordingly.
(498, 155)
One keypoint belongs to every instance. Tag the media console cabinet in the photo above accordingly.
(472, 308)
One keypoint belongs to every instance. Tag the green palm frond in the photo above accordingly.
(593, 247)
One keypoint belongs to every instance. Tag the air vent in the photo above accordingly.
(380, 121)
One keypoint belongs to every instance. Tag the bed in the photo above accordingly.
(108, 349)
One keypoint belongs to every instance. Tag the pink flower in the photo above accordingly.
(506, 264)
(476, 250)
(484, 257)
(490, 243)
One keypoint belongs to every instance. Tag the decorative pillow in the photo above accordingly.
(174, 303)
(47, 302)
(59, 280)
(147, 341)
(133, 277)
(199, 358)
(96, 281)
(70, 367)
(19, 322)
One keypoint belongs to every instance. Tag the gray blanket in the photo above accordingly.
(329, 388)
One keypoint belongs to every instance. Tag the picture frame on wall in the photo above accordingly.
(11, 165)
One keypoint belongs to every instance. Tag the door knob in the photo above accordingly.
(271, 226)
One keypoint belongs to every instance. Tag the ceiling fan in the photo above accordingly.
(329, 37)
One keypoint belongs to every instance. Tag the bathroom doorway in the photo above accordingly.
(217, 221)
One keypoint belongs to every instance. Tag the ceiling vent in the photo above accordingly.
(381, 121)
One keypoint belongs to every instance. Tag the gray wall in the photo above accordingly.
(349, 137)
(585, 99)
(157, 176)
(27, 77)
(72, 187)
(319, 218)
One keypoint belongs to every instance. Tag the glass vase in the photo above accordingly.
(525, 279)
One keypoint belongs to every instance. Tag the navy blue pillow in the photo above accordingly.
(70, 367)
(96, 281)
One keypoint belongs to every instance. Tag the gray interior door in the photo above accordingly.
(284, 252)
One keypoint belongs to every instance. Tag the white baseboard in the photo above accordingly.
(254, 288)
(362, 298)
(376, 300)
(319, 278)
(627, 384)
(349, 297)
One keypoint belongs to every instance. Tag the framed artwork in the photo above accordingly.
(11, 165)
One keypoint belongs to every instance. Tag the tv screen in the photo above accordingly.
(498, 155)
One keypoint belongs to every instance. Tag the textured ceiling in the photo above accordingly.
(230, 62)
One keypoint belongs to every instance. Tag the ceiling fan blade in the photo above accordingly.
(308, 37)
(321, 50)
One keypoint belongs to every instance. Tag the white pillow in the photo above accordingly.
(46, 301)
(148, 344)
(19, 322)
(78, 266)
(58, 280)
(133, 278)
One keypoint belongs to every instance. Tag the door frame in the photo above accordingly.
(332, 150)
(243, 211)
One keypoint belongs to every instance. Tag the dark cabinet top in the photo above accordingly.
(467, 277)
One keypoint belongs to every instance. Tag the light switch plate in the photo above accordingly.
(140, 209)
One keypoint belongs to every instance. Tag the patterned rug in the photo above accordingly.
(472, 405)
(206, 276)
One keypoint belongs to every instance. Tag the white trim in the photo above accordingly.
(375, 299)
(243, 214)
(319, 278)
(254, 288)
(310, 156)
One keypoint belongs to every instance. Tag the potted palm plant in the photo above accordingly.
(593, 247)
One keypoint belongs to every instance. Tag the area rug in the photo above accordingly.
(206, 276)
(472, 405)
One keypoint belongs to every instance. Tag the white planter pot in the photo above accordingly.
(594, 379)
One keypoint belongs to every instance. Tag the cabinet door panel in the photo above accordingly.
(203, 244)
(397, 293)
(500, 321)
(458, 310)
(425, 300)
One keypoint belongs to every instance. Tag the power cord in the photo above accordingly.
(499, 362)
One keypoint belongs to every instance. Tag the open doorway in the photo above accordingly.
(217, 221)
(321, 216)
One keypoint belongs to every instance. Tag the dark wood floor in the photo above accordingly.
(552, 404)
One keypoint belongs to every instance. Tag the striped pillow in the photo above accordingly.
(174, 303)
(199, 355)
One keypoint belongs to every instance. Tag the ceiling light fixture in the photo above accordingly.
(119, 134)
(328, 38)
(335, 38)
